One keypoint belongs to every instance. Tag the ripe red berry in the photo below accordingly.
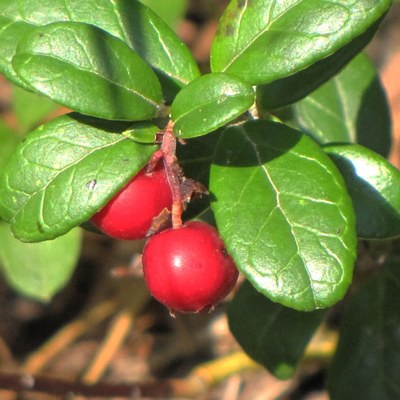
(187, 268)
(130, 213)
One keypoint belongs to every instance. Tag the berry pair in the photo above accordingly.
(186, 268)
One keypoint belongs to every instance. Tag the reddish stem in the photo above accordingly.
(174, 174)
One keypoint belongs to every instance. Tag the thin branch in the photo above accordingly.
(62, 387)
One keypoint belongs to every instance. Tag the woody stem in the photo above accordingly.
(173, 171)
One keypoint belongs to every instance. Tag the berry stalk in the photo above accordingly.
(174, 174)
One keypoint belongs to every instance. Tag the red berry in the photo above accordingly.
(188, 269)
(130, 213)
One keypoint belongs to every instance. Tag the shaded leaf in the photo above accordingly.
(294, 87)
(143, 30)
(64, 172)
(208, 103)
(351, 108)
(273, 335)
(374, 186)
(38, 270)
(366, 365)
(196, 157)
(88, 70)
(284, 213)
(263, 41)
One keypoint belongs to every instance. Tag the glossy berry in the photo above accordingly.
(130, 213)
(188, 269)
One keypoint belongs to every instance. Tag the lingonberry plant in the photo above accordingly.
(288, 130)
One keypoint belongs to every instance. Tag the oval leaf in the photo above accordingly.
(11, 33)
(142, 132)
(129, 20)
(208, 103)
(284, 213)
(295, 87)
(39, 270)
(64, 172)
(273, 335)
(262, 41)
(88, 70)
(374, 186)
(366, 365)
(351, 108)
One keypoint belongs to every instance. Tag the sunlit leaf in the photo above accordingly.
(88, 70)
(265, 40)
(64, 172)
(283, 210)
(208, 103)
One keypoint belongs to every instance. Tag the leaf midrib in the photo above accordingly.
(95, 73)
(255, 38)
(280, 208)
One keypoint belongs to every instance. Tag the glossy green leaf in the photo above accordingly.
(294, 87)
(366, 365)
(142, 132)
(11, 33)
(64, 172)
(143, 30)
(273, 335)
(171, 11)
(265, 40)
(30, 109)
(88, 70)
(350, 108)
(283, 210)
(8, 142)
(208, 103)
(374, 186)
(38, 270)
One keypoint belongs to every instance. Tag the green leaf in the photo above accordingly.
(262, 41)
(142, 132)
(8, 142)
(143, 30)
(294, 87)
(11, 33)
(351, 108)
(373, 184)
(283, 210)
(366, 365)
(30, 109)
(208, 103)
(39, 270)
(88, 70)
(171, 11)
(273, 335)
(64, 172)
